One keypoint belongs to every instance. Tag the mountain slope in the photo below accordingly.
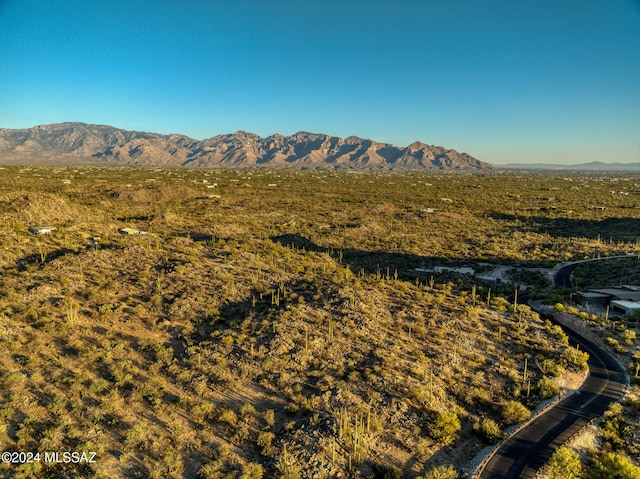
(79, 142)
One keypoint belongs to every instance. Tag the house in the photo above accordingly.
(41, 230)
(132, 231)
(446, 269)
(625, 293)
(628, 308)
(592, 299)
(624, 300)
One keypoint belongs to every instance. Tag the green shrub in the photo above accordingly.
(445, 428)
(252, 470)
(441, 472)
(575, 357)
(514, 412)
(489, 431)
(547, 388)
(616, 466)
(564, 464)
(265, 441)
(229, 417)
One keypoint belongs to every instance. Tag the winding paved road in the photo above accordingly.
(562, 276)
(530, 448)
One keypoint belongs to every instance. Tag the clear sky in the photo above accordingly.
(503, 80)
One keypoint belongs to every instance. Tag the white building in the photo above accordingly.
(41, 230)
(628, 308)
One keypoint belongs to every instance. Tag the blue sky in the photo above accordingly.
(503, 80)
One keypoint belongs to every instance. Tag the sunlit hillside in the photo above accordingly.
(272, 324)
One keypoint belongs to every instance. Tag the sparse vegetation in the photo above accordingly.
(281, 332)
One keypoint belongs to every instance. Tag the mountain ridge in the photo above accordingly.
(76, 142)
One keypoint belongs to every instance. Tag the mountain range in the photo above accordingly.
(80, 143)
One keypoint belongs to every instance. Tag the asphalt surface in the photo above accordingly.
(527, 450)
(563, 276)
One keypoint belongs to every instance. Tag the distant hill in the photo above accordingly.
(592, 166)
(78, 143)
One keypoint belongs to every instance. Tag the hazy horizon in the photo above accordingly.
(504, 82)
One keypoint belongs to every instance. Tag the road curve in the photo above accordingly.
(527, 450)
(562, 276)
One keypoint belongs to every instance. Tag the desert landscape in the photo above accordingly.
(319, 240)
(246, 323)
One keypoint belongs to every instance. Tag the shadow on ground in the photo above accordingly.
(607, 229)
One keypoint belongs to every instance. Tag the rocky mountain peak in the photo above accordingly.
(79, 142)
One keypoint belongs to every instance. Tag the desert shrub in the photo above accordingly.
(164, 354)
(514, 412)
(288, 466)
(573, 310)
(422, 449)
(441, 472)
(217, 469)
(382, 471)
(229, 417)
(547, 388)
(252, 470)
(265, 441)
(488, 430)
(136, 435)
(551, 368)
(247, 412)
(500, 304)
(564, 464)
(99, 385)
(629, 337)
(575, 357)
(611, 428)
(123, 371)
(445, 428)
(269, 417)
(559, 334)
(173, 461)
(616, 465)
(613, 342)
